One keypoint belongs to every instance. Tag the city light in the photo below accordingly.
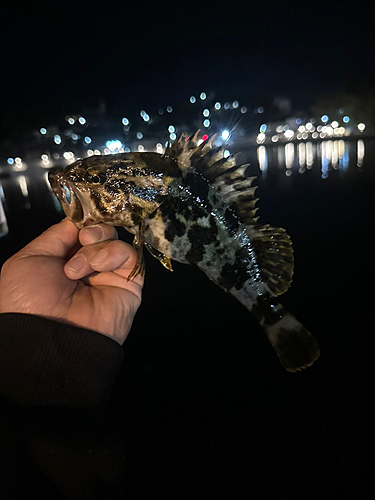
(361, 127)
(87, 139)
(193, 99)
(225, 134)
(263, 127)
(203, 96)
(324, 118)
(217, 105)
(206, 112)
(125, 121)
(171, 129)
(169, 109)
(43, 131)
(57, 139)
(114, 145)
(346, 119)
(71, 120)
(289, 134)
(206, 123)
(235, 104)
(81, 120)
(261, 138)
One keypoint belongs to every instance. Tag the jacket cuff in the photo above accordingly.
(43, 362)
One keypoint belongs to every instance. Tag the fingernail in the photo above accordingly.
(76, 263)
(95, 232)
(99, 258)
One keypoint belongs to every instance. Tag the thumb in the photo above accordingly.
(58, 240)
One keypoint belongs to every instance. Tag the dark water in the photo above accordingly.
(202, 391)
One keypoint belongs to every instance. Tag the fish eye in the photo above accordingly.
(98, 178)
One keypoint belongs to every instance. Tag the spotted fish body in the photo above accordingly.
(197, 207)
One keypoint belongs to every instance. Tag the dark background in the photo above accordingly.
(57, 59)
(202, 408)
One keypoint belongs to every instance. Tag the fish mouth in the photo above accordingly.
(68, 196)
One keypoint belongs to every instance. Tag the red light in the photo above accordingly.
(186, 139)
(205, 137)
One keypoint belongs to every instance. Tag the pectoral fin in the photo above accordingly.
(161, 257)
(138, 241)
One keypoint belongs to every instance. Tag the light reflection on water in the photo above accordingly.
(297, 158)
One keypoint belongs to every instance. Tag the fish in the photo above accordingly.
(193, 204)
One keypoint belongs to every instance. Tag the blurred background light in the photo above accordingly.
(125, 121)
(43, 131)
(169, 109)
(225, 134)
(193, 99)
(217, 105)
(57, 139)
(203, 96)
(81, 120)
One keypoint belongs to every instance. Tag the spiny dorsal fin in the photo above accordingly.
(272, 245)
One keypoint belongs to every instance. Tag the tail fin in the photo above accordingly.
(293, 343)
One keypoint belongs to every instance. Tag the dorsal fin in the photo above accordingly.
(272, 245)
(275, 255)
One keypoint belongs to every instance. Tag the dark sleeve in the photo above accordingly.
(43, 362)
(55, 382)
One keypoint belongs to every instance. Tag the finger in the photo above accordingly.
(101, 257)
(57, 240)
(99, 232)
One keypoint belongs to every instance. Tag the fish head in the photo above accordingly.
(119, 190)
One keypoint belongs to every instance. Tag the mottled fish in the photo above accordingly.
(196, 206)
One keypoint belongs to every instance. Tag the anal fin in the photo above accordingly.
(161, 257)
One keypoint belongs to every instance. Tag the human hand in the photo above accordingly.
(40, 279)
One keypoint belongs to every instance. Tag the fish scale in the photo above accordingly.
(195, 206)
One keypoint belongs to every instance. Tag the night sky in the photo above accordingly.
(60, 58)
